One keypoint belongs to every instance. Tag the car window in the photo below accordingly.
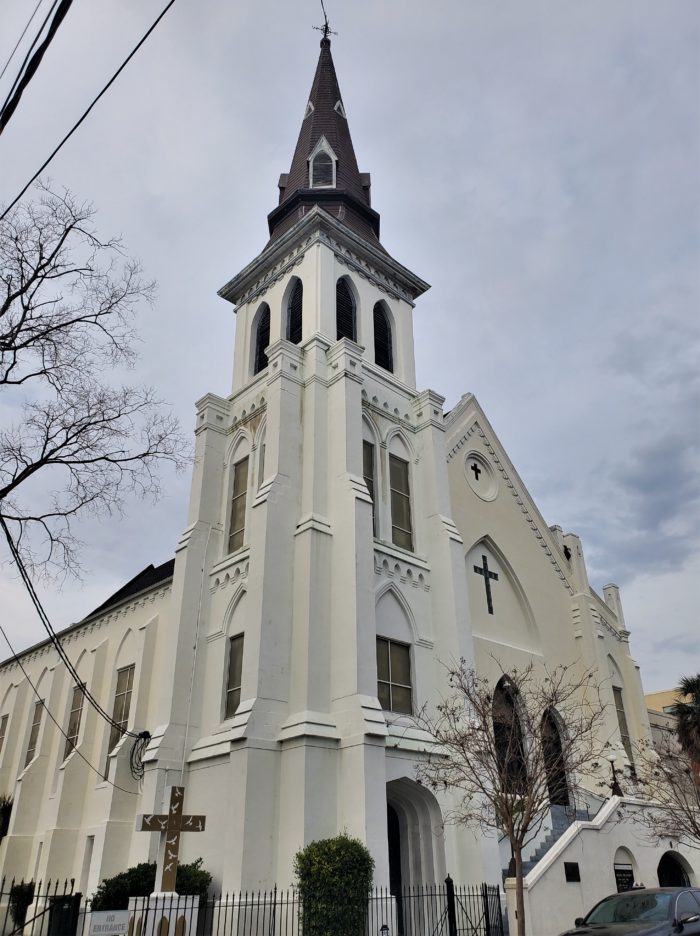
(632, 907)
(686, 903)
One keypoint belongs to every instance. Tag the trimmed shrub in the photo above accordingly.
(21, 896)
(334, 878)
(6, 803)
(140, 881)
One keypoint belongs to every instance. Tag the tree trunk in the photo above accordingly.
(519, 898)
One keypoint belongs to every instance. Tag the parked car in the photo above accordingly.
(652, 911)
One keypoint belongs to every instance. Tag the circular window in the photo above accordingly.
(480, 476)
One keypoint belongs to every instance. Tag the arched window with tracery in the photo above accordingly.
(262, 339)
(294, 313)
(383, 353)
(508, 739)
(345, 318)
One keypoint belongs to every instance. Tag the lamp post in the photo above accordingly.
(615, 788)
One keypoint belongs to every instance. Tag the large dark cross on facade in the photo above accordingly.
(488, 575)
(170, 827)
(477, 471)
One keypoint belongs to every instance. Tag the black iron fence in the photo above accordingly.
(55, 909)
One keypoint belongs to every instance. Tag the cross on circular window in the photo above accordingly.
(480, 476)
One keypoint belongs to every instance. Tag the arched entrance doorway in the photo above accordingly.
(672, 872)
(414, 835)
(416, 846)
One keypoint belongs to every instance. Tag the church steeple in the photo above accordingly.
(324, 169)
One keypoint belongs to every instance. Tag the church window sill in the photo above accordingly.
(381, 547)
(231, 559)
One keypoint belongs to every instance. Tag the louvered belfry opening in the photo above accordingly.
(294, 313)
(322, 171)
(262, 339)
(383, 356)
(344, 311)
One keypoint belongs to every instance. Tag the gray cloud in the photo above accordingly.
(537, 163)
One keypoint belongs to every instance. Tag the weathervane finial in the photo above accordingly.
(325, 29)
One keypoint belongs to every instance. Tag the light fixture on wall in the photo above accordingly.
(615, 788)
(384, 930)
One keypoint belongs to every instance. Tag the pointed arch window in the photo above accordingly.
(262, 339)
(34, 732)
(508, 739)
(294, 313)
(622, 723)
(322, 171)
(554, 761)
(76, 712)
(394, 676)
(401, 525)
(233, 680)
(383, 356)
(239, 496)
(345, 318)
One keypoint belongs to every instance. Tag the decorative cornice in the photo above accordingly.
(230, 571)
(83, 629)
(317, 226)
(388, 564)
(384, 411)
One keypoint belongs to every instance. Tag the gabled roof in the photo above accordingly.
(146, 578)
(349, 199)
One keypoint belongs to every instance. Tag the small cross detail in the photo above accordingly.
(475, 468)
(488, 575)
(170, 826)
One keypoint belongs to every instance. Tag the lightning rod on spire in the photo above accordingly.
(325, 29)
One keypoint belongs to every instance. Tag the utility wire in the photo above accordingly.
(11, 105)
(29, 52)
(48, 712)
(29, 21)
(95, 100)
(138, 736)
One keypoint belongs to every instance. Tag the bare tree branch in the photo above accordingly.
(668, 775)
(67, 303)
(508, 750)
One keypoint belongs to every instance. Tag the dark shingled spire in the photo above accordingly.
(349, 200)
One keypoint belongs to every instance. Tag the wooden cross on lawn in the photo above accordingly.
(170, 826)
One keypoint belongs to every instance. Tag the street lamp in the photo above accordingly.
(615, 788)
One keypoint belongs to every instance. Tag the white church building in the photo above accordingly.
(345, 538)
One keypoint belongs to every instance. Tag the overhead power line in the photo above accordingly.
(142, 738)
(28, 73)
(29, 52)
(92, 104)
(54, 720)
(28, 24)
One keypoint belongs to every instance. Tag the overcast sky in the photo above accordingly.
(537, 163)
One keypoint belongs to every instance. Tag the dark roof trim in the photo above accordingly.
(146, 580)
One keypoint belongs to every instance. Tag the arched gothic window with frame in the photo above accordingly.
(554, 760)
(322, 170)
(294, 313)
(345, 312)
(508, 739)
(262, 339)
(383, 351)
